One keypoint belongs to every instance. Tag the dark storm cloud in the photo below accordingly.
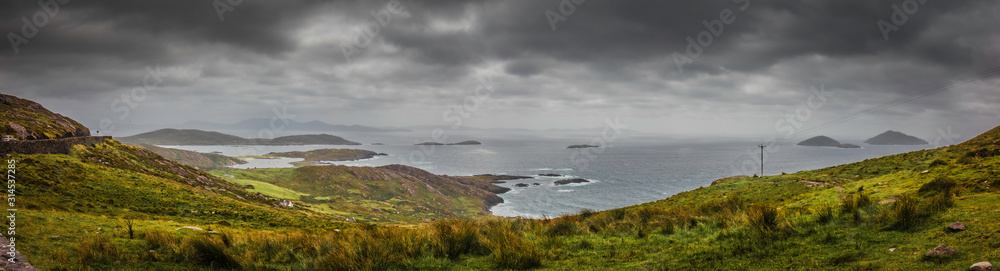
(605, 56)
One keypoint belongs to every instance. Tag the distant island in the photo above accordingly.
(201, 138)
(582, 146)
(823, 141)
(895, 138)
(467, 142)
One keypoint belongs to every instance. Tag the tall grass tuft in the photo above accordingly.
(562, 228)
(825, 215)
(454, 238)
(904, 214)
(97, 249)
(763, 218)
(157, 238)
(205, 251)
(509, 250)
(378, 248)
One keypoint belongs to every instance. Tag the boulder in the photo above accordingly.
(957, 226)
(521, 185)
(189, 228)
(982, 266)
(941, 250)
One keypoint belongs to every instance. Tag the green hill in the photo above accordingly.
(393, 194)
(28, 120)
(204, 161)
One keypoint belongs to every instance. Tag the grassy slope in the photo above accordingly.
(390, 194)
(817, 224)
(71, 196)
(36, 120)
(821, 219)
(204, 161)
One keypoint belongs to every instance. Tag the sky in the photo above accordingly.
(741, 68)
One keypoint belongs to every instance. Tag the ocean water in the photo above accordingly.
(629, 171)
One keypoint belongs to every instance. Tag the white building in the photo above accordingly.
(287, 203)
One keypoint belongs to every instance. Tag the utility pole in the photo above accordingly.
(761, 146)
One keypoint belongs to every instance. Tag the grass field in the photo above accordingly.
(877, 214)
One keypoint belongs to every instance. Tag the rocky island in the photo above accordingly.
(569, 181)
(895, 138)
(582, 146)
(823, 141)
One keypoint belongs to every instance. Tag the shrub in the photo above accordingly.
(938, 203)
(937, 162)
(586, 213)
(940, 185)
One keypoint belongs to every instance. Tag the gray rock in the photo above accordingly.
(957, 226)
(982, 266)
(941, 250)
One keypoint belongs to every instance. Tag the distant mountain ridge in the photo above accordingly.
(199, 137)
(291, 125)
(895, 138)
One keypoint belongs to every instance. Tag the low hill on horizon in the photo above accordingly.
(895, 138)
(292, 125)
(199, 137)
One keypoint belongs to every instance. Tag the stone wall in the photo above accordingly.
(49, 146)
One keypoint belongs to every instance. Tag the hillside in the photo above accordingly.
(197, 160)
(28, 120)
(71, 201)
(199, 137)
(823, 141)
(895, 138)
(388, 194)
